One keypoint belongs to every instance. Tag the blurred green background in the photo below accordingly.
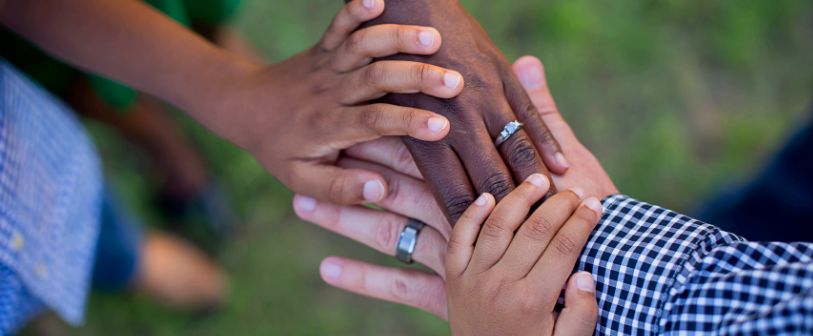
(677, 98)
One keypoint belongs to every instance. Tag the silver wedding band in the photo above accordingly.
(408, 240)
(510, 129)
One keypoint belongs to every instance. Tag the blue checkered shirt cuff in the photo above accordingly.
(660, 272)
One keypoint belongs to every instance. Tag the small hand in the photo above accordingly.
(296, 116)
(502, 283)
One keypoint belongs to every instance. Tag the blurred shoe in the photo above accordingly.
(178, 275)
(205, 217)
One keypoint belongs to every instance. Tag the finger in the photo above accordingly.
(384, 40)
(349, 18)
(531, 73)
(518, 151)
(445, 175)
(406, 196)
(535, 234)
(402, 286)
(580, 315)
(338, 185)
(369, 122)
(389, 152)
(564, 249)
(377, 229)
(380, 78)
(498, 230)
(538, 131)
(461, 244)
(484, 164)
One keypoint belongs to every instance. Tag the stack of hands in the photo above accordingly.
(500, 260)
(472, 169)
(329, 124)
(365, 85)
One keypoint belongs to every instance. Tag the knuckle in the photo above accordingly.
(370, 117)
(455, 244)
(533, 112)
(422, 72)
(386, 234)
(400, 290)
(493, 230)
(456, 204)
(498, 184)
(521, 153)
(355, 42)
(406, 292)
(539, 228)
(335, 189)
(408, 117)
(527, 111)
(565, 245)
(477, 82)
(374, 73)
(401, 35)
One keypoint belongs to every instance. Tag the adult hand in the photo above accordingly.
(296, 116)
(467, 162)
(409, 198)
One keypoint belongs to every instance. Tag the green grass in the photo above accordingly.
(677, 98)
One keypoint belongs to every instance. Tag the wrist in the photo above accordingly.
(208, 80)
(211, 90)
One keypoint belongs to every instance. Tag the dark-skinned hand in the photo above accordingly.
(467, 163)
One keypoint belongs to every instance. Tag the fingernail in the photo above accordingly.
(305, 204)
(373, 191)
(330, 270)
(481, 201)
(585, 283)
(532, 78)
(560, 159)
(426, 38)
(578, 191)
(451, 80)
(538, 180)
(593, 204)
(436, 124)
(369, 4)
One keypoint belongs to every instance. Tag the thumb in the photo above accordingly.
(580, 315)
(340, 186)
(531, 73)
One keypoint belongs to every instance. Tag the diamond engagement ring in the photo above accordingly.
(507, 131)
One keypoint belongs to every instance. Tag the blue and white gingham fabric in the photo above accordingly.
(50, 193)
(660, 272)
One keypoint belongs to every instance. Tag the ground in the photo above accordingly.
(677, 98)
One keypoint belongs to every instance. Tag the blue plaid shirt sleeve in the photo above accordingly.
(660, 272)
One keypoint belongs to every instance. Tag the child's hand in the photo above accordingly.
(508, 284)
